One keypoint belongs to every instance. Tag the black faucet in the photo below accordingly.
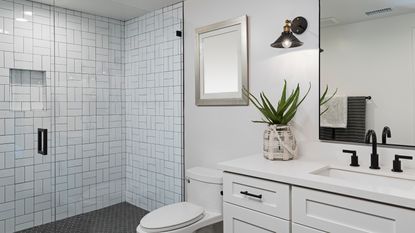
(386, 133)
(397, 162)
(374, 157)
(354, 158)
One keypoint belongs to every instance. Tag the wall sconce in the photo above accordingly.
(287, 38)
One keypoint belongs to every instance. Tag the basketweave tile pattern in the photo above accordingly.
(84, 74)
(153, 98)
(118, 92)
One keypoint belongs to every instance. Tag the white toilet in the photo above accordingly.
(202, 208)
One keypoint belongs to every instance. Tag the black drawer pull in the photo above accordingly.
(259, 196)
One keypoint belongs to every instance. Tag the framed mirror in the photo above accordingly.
(367, 61)
(222, 63)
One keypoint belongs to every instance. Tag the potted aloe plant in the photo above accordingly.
(279, 141)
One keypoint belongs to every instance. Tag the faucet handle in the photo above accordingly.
(397, 162)
(403, 157)
(354, 158)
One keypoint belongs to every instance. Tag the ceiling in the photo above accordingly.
(335, 12)
(117, 9)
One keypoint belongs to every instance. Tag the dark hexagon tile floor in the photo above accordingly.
(120, 218)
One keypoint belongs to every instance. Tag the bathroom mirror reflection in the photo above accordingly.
(221, 66)
(367, 67)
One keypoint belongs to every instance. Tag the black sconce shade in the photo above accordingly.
(287, 38)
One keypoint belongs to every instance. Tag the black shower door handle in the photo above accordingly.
(42, 141)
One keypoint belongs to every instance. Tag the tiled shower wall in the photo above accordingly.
(87, 124)
(97, 114)
(154, 118)
(90, 162)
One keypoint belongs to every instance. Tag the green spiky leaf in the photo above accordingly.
(284, 111)
(324, 100)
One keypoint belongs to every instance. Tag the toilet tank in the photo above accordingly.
(204, 188)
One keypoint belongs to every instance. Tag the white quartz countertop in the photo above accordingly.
(299, 173)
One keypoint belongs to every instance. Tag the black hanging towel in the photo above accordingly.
(356, 123)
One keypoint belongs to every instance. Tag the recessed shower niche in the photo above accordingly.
(27, 90)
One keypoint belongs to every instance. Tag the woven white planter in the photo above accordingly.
(279, 143)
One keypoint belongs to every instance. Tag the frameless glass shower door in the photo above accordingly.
(91, 117)
(26, 115)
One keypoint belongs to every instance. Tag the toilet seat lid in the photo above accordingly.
(172, 217)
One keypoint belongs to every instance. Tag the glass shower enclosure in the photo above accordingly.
(91, 117)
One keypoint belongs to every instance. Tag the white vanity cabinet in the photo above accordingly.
(243, 220)
(337, 213)
(255, 205)
(297, 228)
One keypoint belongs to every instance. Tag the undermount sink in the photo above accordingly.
(366, 179)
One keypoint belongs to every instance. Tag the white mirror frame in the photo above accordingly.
(230, 98)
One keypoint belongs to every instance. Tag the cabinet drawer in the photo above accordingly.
(261, 195)
(297, 228)
(237, 219)
(336, 213)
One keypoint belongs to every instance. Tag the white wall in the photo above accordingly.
(386, 73)
(214, 134)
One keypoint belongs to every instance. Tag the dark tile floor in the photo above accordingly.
(120, 218)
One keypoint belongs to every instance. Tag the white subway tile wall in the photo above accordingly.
(154, 98)
(113, 109)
